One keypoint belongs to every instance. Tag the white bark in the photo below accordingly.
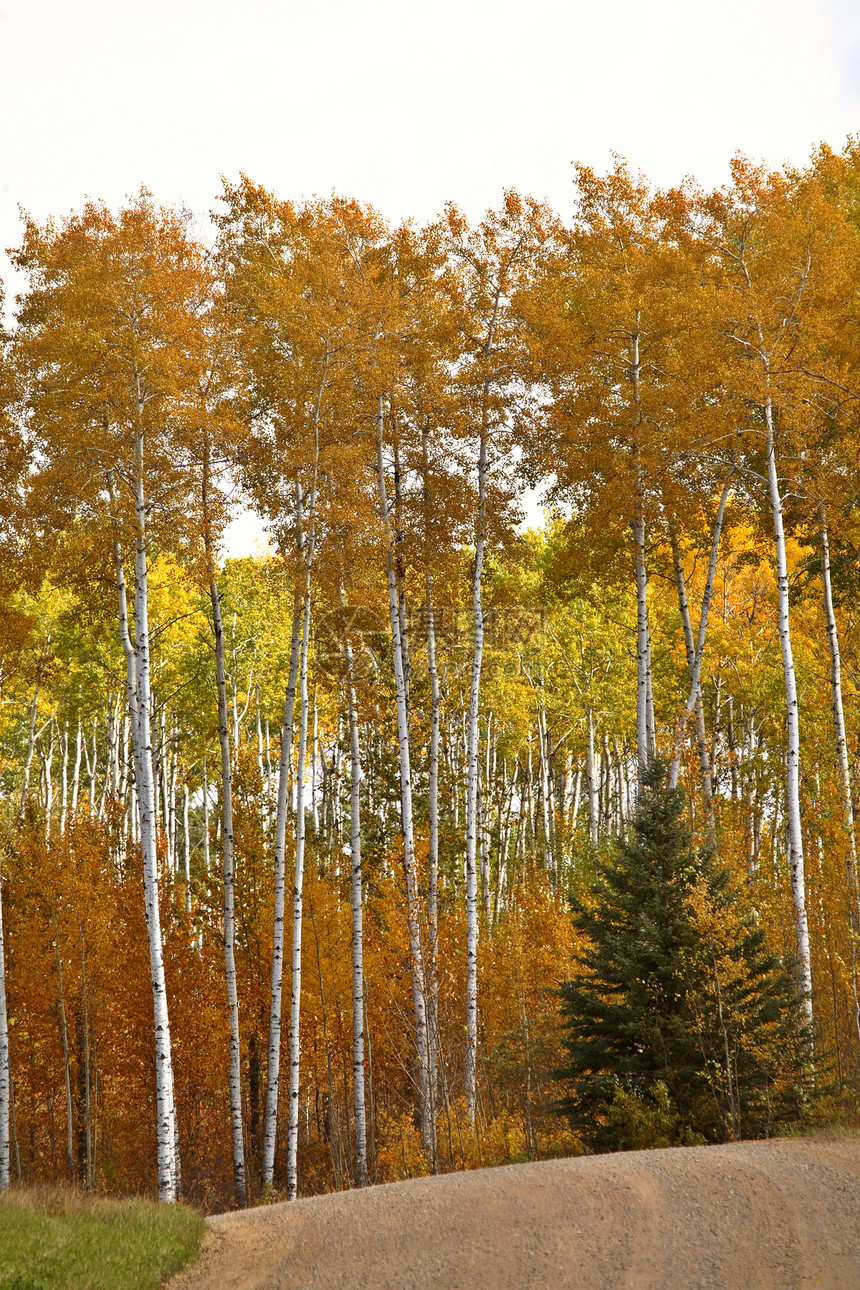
(205, 789)
(433, 858)
(357, 931)
(591, 779)
(64, 798)
(471, 1054)
(841, 757)
(166, 1113)
(574, 810)
(138, 699)
(270, 1123)
(416, 964)
(239, 1183)
(694, 664)
(795, 836)
(643, 644)
(31, 746)
(696, 654)
(5, 1083)
(187, 845)
(296, 980)
(76, 775)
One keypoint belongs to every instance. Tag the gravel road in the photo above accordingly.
(750, 1216)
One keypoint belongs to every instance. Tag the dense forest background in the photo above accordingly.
(318, 814)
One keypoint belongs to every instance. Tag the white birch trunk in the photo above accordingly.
(296, 980)
(795, 836)
(270, 1123)
(307, 552)
(76, 775)
(205, 786)
(433, 859)
(471, 1054)
(591, 780)
(644, 697)
(5, 1081)
(694, 666)
(187, 845)
(643, 644)
(239, 1183)
(416, 964)
(577, 790)
(265, 783)
(139, 701)
(696, 654)
(64, 799)
(841, 758)
(357, 931)
(48, 762)
(31, 746)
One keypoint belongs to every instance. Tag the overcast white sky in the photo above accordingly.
(407, 106)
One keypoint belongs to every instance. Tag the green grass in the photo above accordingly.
(60, 1240)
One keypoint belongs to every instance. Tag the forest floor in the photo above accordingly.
(776, 1215)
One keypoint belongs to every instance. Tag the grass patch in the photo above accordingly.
(57, 1239)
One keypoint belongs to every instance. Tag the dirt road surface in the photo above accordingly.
(751, 1216)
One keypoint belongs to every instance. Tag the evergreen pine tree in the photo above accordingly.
(682, 1026)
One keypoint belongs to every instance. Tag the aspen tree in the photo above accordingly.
(492, 260)
(228, 872)
(108, 340)
(841, 753)
(695, 651)
(13, 469)
(416, 955)
(609, 322)
(769, 243)
(358, 1044)
(281, 258)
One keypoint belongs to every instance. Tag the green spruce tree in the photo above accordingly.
(681, 1026)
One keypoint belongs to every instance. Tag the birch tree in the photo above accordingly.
(770, 241)
(109, 342)
(290, 284)
(493, 260)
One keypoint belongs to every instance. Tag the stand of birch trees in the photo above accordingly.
(428, 723)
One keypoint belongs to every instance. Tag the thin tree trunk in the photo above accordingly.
(31, 747)
(307, 552)
(139, 699)
(270, 1124)
(694, 700)
(577, 790)
(471, 1054)
(296, 980)
(795, 836)
(357, 930)
(239, 1183)
(841, 758)
(644, 698)
(591, 780)
(5, 1077)
(187, 846)
(696, 654)
(87, 1078)
(64, 1037)
(205, 788)
(64, 789)
(416, 964)
(643, 643)
(433, 859)
(76, 776)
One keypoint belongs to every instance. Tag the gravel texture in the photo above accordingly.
(776, 1215)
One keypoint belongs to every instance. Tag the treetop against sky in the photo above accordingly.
(408, 107)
